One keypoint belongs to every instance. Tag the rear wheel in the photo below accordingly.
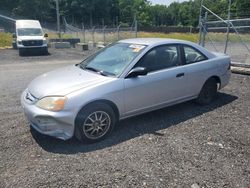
(208, 92)
(94, 123)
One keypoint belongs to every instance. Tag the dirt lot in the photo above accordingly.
(181, 146)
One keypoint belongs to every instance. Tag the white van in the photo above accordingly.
(29, 35)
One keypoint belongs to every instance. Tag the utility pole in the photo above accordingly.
(58, 19)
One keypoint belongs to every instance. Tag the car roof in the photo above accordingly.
(152, 41)
(28, 24)
(160, 41)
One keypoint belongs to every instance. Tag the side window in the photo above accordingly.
(192, 55)
(161, 57)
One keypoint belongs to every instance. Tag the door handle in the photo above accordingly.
(180, 75)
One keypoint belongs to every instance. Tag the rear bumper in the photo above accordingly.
(225, 79)
(56, 124)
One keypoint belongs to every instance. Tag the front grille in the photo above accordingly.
(32, 42)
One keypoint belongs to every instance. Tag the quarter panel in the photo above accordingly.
(198, 73)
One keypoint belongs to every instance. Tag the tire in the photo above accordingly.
(45, 51)
(21, 52)
(94, 122)
(208, 92)
(14, 46)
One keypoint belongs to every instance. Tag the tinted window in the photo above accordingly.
(161, 57)
(192, 55)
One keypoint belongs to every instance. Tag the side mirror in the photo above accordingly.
(46, 35)
(14, 35)
(137, 71)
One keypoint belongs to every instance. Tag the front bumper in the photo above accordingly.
(32, 47)
(56, 124)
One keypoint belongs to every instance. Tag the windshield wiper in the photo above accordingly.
(101, 72)
(91, 69)
(104, 73)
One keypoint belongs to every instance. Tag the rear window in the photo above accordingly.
(192, 55)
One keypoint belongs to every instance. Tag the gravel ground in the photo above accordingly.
(181, 146)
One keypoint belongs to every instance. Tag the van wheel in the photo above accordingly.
(21, 52)
(208, 92)
(45, 51)
(94, 123)
(14, 46)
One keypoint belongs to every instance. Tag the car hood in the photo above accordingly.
(30, 37)
(63, 81)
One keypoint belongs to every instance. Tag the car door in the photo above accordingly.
(198, 69)
(164, 83)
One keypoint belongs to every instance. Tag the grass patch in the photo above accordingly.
(56, 36)
(233, 37)
(5, 39)
(111, 37)
(182, 36)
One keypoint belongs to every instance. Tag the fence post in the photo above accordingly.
(83, 30)
(200, 22)
(58, 19)
(136, 27)
(118, 32)
(104, 37)
(190, 29)
(228, 25)
(93, 34)
(204, 30)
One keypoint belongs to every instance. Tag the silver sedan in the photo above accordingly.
(127, 78)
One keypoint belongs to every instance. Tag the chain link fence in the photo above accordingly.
(226, 35)
(102, 34)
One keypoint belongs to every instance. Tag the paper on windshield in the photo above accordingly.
(137, 47)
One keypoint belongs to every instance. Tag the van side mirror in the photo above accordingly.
(14, 35)
(137, 71)
(46, 35)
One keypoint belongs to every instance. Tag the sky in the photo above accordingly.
(165, 2)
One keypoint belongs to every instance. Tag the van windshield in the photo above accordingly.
(29, 32)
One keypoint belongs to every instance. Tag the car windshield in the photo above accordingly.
(29, 32)
(112, 60)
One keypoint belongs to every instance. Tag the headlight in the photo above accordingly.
(19, 42)
(52, 103)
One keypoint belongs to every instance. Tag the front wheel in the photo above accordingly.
(45, 51)
(21, 52)
(208, 92)
(94, 123)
